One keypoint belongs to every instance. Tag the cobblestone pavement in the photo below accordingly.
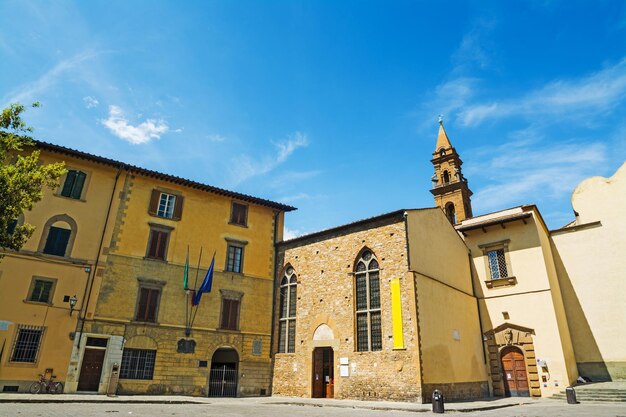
(236, 409)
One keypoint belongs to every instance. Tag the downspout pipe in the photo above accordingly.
(92, 275)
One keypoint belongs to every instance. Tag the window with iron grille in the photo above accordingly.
(41, 290)
(239, 214)
(74, 183)
(138, 364)
(148, 304)
(497, 263)
(27, 343)
(57, 240)
(157, 244)
(234, 258)
(288, 302)
(367, 291)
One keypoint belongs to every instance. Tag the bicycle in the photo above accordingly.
(50, 386)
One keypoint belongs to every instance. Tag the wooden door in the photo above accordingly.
(323, 375)
(91, 370)
(318, 374)
(514, 373)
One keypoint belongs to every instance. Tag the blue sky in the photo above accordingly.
(331, 106)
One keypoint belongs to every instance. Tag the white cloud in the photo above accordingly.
(531, 171)
(289, 234)
(90, 102)
(34, 89)
(142, 133)
(244, 167)
(580, 98)
(216, 138)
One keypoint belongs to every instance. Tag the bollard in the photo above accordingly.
(571, 395)
(437, 402)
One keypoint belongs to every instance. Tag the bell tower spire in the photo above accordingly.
(450, 187)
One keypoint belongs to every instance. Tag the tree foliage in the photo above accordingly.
(22, 177)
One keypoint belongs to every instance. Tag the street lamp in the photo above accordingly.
(73, 301)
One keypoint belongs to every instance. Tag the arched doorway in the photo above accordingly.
(514, 372)
(223, 375)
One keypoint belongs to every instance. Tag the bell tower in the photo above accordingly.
(450, 188)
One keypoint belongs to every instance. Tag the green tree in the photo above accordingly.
(22, 177)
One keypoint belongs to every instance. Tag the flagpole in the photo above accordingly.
(195, 287)
(193, 319)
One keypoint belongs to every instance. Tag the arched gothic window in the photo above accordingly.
(446, 177)
(451, 213)
(288, 302)
(368, 322)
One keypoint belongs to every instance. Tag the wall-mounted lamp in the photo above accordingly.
(73, 300)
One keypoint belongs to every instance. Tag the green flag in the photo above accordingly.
(186, 272)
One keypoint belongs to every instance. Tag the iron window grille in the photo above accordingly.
(497, 264)
(368, 319)
(288, 303)
(27, 343)
(138, 364)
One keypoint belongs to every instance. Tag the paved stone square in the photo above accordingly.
(237, 407)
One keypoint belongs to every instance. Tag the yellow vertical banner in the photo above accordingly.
(396, 314)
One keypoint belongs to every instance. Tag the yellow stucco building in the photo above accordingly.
(39, 283)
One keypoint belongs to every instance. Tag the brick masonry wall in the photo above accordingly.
(326, 296)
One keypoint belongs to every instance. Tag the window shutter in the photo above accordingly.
(154, 202)
(178, 208)
(152, 304)
(77, 190)
(234, 314)
(162, 244)
(69, 183)
(143, 304)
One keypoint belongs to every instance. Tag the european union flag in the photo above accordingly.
(206, 284)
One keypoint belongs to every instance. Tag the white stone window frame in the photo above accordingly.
(490, 281)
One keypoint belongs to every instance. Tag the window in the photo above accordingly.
(446, 177)
(138, 364)
(74, 183)
(41, 290)
(147, 304)
(497, 264)
(231, 301)
(239, 214)
(166, 204)
(368, 320)
(288, 302)
(27, 343)
(234, 258)
(157, 243)
(57, 240)
(451, 213)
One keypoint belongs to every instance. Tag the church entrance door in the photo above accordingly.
(323, 376)
(514, 373)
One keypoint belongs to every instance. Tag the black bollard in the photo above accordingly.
(571, 395)
(437, 402)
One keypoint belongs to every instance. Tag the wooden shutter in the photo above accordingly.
(154, 202)
(69, 183)
(143, 304)
(77, 190)
(178, 208)
(153, 299)
(234, 314)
